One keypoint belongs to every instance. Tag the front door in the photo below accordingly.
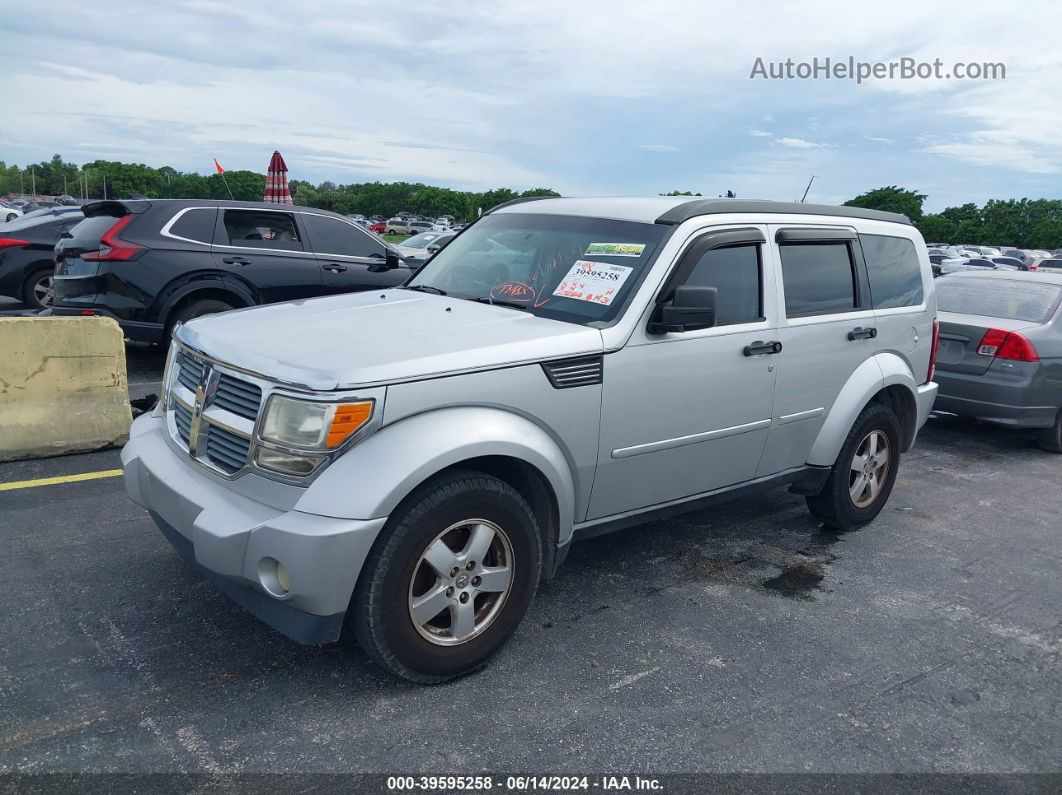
(350, 258)
(265, 250)
(687, 413)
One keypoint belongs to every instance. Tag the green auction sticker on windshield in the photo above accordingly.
(597, 282)
(614, 250)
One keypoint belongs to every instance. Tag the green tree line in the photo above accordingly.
(114, 179)
(1025, 223)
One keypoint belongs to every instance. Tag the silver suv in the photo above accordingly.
(408, 463)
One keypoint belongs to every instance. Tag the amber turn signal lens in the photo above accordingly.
(346, 420)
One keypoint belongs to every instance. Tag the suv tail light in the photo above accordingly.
(11, 242)
(1007, 345)
(933, 351)
(112, 247)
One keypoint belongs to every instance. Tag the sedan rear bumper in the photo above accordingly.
(1009, 399)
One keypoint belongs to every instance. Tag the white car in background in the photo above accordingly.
(9, 213)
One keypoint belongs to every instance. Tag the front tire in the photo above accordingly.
(449, 579)
(865, 471)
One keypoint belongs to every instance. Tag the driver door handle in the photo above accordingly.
(335, 267)
(758, 348)
(860, 333)
(236, 261)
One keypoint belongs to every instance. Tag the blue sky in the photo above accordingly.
(590, 98)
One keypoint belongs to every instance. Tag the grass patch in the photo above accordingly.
(395, 238)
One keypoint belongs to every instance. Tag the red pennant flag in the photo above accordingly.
(217, 165)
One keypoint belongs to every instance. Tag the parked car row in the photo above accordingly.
(948, 258)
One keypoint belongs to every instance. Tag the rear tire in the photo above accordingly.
(865, 471)
(406, 612)
(205, 306)
(1050, 439)
(37, 291)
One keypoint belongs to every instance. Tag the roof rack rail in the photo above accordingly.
(520, 200)
(687, 210)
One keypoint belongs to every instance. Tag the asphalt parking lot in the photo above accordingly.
(744, 638)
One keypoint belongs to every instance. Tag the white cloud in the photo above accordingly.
(879, 139)
(800, 143)
(759, 134)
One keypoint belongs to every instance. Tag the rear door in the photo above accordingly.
(350, 259)
(267, 250)
(827, 331)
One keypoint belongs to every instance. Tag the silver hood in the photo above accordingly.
(381, 337)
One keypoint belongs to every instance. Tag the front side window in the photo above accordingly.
(818, 278)
(332, 236)
(893, 269)
(735, 273)
(262, 229)
(566, 267)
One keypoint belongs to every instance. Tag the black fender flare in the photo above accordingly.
(241, 295)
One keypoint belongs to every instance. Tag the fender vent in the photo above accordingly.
(575, 372)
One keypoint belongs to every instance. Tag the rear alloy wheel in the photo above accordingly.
(1050, 439)
(449, 578)
(862, 478)
(39, 290)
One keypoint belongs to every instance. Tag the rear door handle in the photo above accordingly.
(235, 261)
(335, 267)
(758, 348)
(860, 333)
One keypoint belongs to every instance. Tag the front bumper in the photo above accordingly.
(226, 536)
(1004, 398)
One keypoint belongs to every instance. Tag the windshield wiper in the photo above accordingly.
(482, 299)
(425, 288)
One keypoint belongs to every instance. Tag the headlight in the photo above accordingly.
(311, 425)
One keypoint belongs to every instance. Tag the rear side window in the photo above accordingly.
(262, 229)
(1025, 300)
(332, 236)
(892, 266)
(818, 278)
(196, 224)
(735, 273)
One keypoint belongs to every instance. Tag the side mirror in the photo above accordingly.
(689, 309)
(390, 258)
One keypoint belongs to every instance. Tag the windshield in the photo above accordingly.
(420, 241)
(566, 267)
(1024, 300)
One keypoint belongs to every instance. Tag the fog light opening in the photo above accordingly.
(274, 577)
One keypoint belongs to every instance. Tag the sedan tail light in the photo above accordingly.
(112, 247)
(933, 351)
(11, 242)
(1007, 345)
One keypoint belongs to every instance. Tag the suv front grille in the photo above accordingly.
(227, 450)
(222, 425)
(239, 397)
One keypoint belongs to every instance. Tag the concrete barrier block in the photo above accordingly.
(62, 386)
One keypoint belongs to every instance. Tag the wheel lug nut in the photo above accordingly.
(450, 591)
(476, 581)
(464, 598)
(453, 571)
(470, 565)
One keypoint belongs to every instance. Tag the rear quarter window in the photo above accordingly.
(196, 224)
(893, 269)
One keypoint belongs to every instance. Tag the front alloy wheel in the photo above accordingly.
(449, 577)
(460, 582)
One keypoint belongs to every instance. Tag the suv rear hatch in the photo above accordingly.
(97, 239)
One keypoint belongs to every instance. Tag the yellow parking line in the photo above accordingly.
(29, 484)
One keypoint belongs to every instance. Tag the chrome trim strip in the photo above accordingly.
(682, 441)
(785, 419)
